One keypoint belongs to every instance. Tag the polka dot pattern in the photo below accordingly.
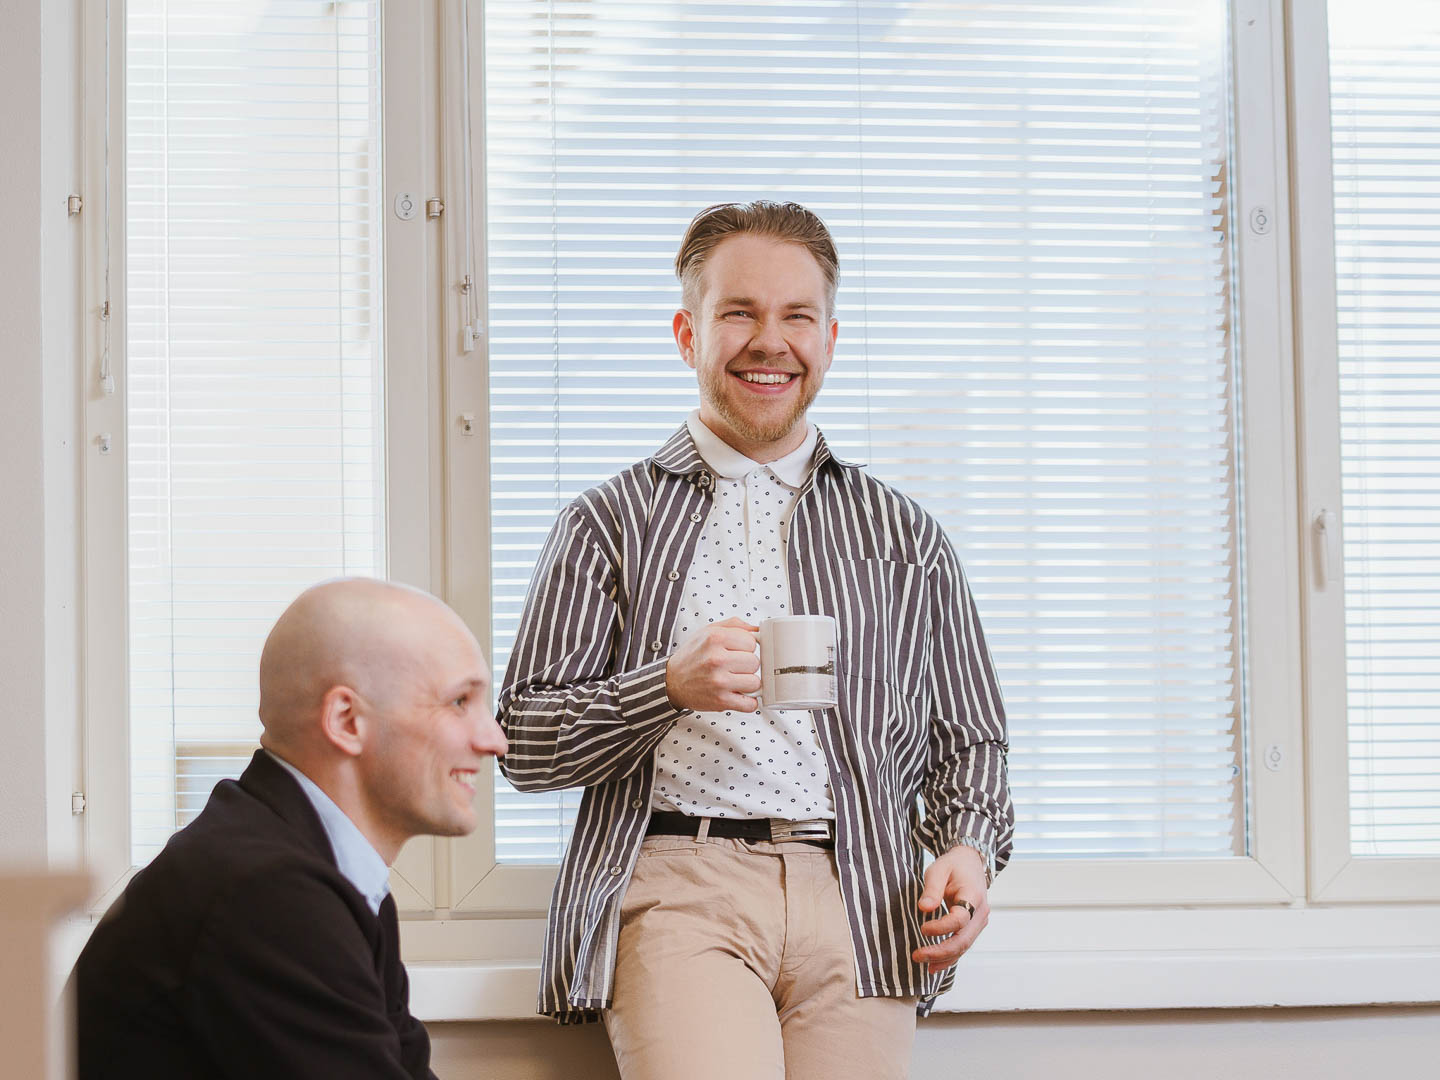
(731, 764)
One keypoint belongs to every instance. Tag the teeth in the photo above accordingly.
(762, 377)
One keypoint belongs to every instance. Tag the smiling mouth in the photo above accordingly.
(765, 378)
(465, 778)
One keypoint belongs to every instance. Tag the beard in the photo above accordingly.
(715, 391)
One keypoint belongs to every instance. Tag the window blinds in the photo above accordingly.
(1030, 205)
(1385, 89)
(254, 370)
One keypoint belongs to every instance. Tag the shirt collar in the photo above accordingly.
(355, 857)
(678, 457)
(731, 464)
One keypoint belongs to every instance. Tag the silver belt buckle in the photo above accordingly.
(814, 829)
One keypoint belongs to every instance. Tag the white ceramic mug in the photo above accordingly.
(797, 662)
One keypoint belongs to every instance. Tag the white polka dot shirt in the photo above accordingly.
(732, 764)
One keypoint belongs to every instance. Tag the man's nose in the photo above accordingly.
(489, 739)
(768, 340)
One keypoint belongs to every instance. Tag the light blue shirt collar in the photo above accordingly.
(731, 464)
(355, 858)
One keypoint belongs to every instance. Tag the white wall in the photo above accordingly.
(39, 416)
(22, 504)
(61, 360)
(1222, 1044)
(39, 479)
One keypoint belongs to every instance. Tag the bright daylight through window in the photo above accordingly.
(1036, 338)
(1384, 88)
(255, 373)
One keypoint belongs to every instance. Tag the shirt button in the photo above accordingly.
(673, 575)
(695, 517)
(615, 871)
(636, 804)
(655, 646)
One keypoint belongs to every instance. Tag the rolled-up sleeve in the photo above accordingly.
(966, 791)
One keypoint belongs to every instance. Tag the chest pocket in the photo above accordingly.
(884, 622)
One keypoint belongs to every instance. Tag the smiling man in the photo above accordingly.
(263, 941)
(744, 894)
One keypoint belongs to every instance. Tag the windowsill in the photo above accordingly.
(1074, 982)
(1100, 960)
(1028, 960)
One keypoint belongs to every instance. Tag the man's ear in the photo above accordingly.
(341, 721)
(684, 327)
(830, 344)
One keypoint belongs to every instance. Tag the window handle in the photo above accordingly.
(1326, 532)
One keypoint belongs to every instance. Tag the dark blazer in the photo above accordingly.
(241, 951)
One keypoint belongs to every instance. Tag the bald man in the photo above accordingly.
(262, 942)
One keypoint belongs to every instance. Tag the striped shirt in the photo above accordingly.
(920, 719)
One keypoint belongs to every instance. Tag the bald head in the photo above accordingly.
(372, 636)
(380, 695)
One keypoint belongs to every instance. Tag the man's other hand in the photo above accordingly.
(715, 669)
(957, 878)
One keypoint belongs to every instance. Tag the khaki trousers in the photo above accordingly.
(735, 963)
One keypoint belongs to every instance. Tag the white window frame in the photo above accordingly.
(1257, 929)
(1272, 872)
(412, 445)
(1335, 874)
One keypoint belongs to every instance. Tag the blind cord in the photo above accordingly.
(107, 379)
(474, 327)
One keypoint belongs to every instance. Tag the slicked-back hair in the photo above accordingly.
(785, 221)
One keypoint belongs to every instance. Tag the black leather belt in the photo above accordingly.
(817, 831)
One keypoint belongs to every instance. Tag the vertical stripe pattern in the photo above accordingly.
(920, 722)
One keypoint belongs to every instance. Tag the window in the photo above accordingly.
(245, 392)
(1031, 206)
(255, 384)
(1372, 391)
(1072, 242)
(1383, 83)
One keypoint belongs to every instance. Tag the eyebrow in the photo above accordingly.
(749, 301)
(470, 684)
